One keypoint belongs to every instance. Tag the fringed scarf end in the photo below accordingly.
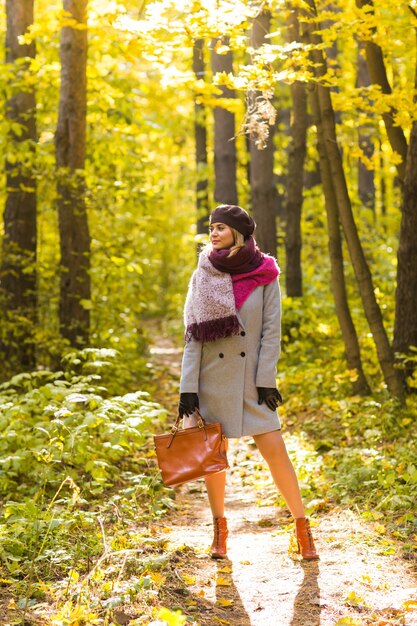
(212, 330)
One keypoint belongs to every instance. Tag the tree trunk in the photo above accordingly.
(378, 75)
(74, 317)
(247, 168)
(18, 271)
(200, 133)
(296, 158)
(225, 191)
(262, 161)
(405, 327)
(338, 283)
(366, 178)
(283, 124)
(363, 276)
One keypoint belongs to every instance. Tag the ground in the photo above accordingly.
(358, 580)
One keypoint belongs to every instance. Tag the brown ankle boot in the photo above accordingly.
(305, 539)
(218, 547)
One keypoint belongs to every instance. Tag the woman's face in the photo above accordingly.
(221, 236)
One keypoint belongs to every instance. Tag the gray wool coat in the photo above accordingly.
(225, 373)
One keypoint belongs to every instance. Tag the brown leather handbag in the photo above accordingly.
(186, 454)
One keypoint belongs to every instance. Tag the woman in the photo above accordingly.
(233, 327)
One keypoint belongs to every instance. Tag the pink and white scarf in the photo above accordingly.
(214, 296)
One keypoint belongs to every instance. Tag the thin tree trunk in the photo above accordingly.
(264, 195)
(338, 283)
(262, 160)
(200, 133)
(283, 123)
(225, 191)
(248, 174)
(378, 75)
(405, 327)
(18, 271)
(366, 176)
(74, 316)
(296, 158)
(363, 276)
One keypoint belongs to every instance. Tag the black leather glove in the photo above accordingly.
(188, 403)
(270, 396)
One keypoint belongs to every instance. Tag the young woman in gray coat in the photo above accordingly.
(233, 331)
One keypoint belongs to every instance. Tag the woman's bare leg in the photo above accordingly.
(272, 447)
(216, 485)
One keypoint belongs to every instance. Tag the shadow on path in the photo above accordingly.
(308, 596)
(237, 613)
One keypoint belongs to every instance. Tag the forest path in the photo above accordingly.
(262, 583)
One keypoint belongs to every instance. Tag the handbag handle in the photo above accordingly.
(201, 423)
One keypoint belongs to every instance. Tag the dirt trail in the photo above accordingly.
(261, 583)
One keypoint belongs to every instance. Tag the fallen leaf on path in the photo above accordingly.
(349, 621)
(225, 570)
(189, 580)
(380, 528)
(410, 604)
(365, 579)
(245, 562)
(224, 601)
(293, 546)
(158, 578)
(353, 599)
(223, 582)
(183, 548)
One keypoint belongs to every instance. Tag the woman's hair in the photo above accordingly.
(238, 242)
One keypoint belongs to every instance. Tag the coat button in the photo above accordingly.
(242, 334)
(221, 355)
(243, 354)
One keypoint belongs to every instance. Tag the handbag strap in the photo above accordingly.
(201, 423)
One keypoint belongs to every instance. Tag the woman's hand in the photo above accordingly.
(270, 396)
(188, 404)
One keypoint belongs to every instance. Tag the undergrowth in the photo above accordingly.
(362, 450)
(78, 488)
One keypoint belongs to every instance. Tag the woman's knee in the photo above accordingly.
(270, 444)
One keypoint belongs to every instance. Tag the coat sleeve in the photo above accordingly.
(271, 336)
(190, 369)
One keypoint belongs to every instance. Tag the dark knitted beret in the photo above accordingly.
(235, 217)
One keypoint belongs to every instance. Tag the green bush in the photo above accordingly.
(63, 443)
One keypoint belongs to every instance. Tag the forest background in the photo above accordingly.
(121, 127)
